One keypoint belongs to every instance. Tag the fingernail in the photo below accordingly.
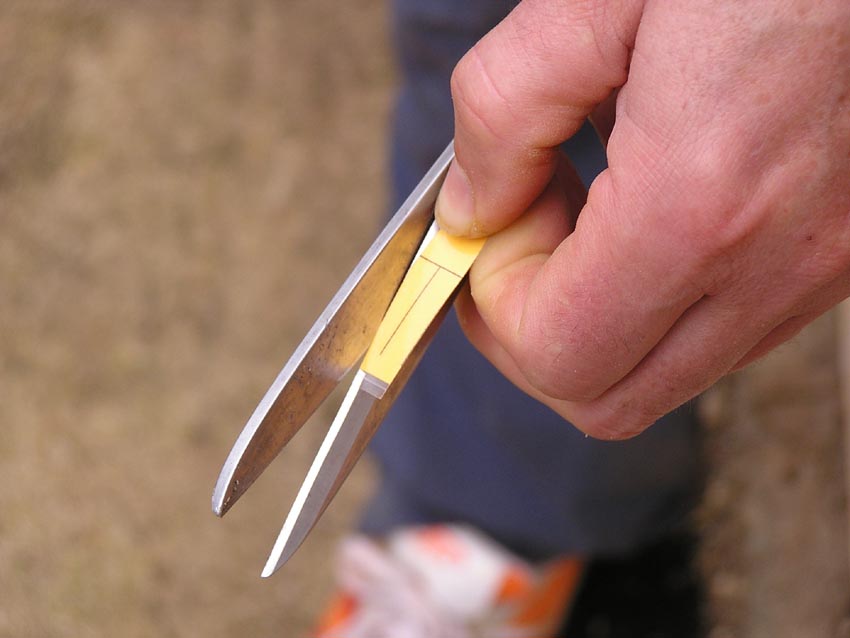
(455, 209)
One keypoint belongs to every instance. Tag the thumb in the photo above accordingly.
(527, 86)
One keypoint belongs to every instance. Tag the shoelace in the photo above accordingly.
(392, 603)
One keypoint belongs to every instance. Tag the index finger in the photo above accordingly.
(526, 87)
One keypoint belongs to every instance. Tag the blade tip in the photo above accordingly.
(273, 564)
(281, 553)
(220, 503)
(227, 491)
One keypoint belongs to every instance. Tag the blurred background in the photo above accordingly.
(183, 185)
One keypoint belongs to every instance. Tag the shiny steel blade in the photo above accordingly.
(336, 342)
(352, 429)
(324, 473)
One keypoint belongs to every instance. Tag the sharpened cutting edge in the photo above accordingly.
(316, 491)
(327, 482)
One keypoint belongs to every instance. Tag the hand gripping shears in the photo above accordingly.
(389, 308)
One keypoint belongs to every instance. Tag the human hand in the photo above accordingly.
(720, 228)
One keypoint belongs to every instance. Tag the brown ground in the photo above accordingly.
(182, 186)
(774, 518)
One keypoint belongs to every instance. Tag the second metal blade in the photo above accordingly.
(352, 429)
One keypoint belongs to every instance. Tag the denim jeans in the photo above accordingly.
(461, 443)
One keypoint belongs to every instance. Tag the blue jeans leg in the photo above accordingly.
(461, 443)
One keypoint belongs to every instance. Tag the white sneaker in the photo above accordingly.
(445, 581)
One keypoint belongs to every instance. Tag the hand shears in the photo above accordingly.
(388, 308)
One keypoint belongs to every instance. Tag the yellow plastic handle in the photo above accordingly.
(432, 278)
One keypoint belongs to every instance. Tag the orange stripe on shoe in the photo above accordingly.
(516, 585)
(341, 608)
(550, 601)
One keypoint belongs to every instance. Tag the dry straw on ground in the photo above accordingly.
(183, 185)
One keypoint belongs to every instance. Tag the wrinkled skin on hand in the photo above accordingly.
(720, 228)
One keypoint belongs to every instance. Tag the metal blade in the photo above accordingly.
(325, 473)
(334, 345)
(352, 429)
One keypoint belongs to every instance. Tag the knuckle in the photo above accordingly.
(687, 187)
(541, 368)
(712, 202)
(565, 349)
(551, 363)
(479, 102)
(548, 377)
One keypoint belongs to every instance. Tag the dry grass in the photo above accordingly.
(774, 517)
(183, 185)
